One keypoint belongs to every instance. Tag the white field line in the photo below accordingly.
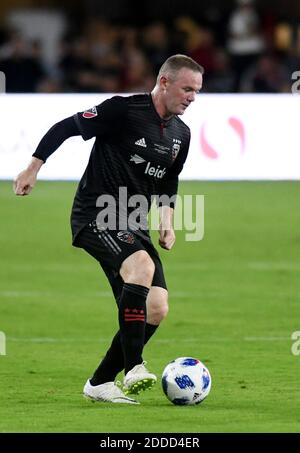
(263, 339)
(273, 266)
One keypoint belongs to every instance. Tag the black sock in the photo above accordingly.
(149, 331)
(132, 321)
(113, 361)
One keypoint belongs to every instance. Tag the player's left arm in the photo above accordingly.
(168, 193)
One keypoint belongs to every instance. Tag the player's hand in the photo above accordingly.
(25, 182)
(166, 238)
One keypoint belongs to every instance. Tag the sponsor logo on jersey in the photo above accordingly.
(141, 142)
(157, 172)
(126, 236)
(137, 159)
(90, 113)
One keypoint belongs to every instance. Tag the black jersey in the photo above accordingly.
(134, 148)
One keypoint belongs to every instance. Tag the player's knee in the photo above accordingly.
(138, 268)
(157, 311)
(162, 312)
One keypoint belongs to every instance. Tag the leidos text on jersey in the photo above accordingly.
(157, 172)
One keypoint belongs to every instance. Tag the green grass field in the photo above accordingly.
(234, 303)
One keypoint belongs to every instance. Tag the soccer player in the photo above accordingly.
(140, 149)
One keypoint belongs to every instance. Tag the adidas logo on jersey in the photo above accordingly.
(141, 142)
(157, 172)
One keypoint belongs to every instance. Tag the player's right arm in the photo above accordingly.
(105, 118)
(58, 133)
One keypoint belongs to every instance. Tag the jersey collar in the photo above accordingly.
(161, 121)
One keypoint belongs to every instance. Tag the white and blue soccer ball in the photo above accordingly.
(186, 381)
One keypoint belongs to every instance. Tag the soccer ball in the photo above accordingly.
(186, 381)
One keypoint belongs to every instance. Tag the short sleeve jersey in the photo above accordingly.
(134, 149)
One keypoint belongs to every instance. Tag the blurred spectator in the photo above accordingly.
(138, 73)
(91, 62)
(155, 44)
(245, 41)
(128, 40)
(283, 37)
(73, 61)
(105, 57)
(50, 85)
(105, 65)
(267, 75)
(20, 61)
(199, 42)
(287, 43)
(222, 79)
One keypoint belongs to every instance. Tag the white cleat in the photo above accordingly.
(108, 392)
(138, 379)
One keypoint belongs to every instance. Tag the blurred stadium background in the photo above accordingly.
(95, 45)
(234, 295)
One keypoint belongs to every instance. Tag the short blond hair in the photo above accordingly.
(176, 62)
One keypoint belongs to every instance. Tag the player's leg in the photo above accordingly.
(126, 350)
(107, 246)
(157, 309)
(113, 362)
(137, 272)
(137, 268)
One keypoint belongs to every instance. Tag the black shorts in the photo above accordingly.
(111, 247)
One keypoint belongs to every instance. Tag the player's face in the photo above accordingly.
(182, 90)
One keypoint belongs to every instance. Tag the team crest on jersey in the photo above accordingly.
(175, 150)
(90, 113)
(125, 236)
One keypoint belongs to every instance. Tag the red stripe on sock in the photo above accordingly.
(134, 316)
(134, 319)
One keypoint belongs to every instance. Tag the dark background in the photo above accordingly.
(119, 45)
